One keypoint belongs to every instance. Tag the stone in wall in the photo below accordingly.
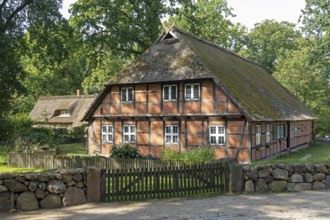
(327, 181)
(294, 187)
(278, 186)
(308, 178)
(299, 168)
(261, 186)
(74, 196)
(280, 174)
(27, 201)
(296, 178)
(56, 186)
(321, 168)
(318, 186)
(318, 176)
(51, 201)
(14, 185)
(249, 186)
(5, 201)
(3, 188)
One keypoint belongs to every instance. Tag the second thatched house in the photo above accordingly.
(185, 92)
(61, 111)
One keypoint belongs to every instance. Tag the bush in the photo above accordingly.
(125, 151)
(31, 139)
(200, 155)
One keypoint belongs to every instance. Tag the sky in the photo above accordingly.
(250, 12)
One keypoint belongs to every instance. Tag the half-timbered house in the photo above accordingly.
(185, 92)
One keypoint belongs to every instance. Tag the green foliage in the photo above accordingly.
(269, 40)
(209, 19)
(125, 151)
(200, 155)
(32, 139)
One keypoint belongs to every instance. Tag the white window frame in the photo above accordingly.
(192, 97)
(107, 134)
(295, 128)
(126, 91)
(268, 134)
(174, 137)
(258, 135)
(129, 133)
(220, 134)
(170, 88)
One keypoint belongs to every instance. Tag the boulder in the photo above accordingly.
(318, 176)
(27, 201)
(7, 175)
(77, 177)
(321, 168)
(58, 176)
(51, 201)
(252, 176)
(31, 176)
(284, 166)
(319, 186)
(3, 188)
(308, 178)
(249, 186)
(299, 168)
(15, 186)
(261, 186)
(71, 183)
(1, 181)
(254, 170)
(327, 181)
(40, 194)
(278, 186)
(246, 168)
(293, 187)
(79, 185)
(310, 168)
(263, 173)
(56, 186)
(280, 174)
(296, 178)
(64, 171)
(20, 179)
(43, 178)
(66, 178)
(5, 201)
(74, 196)
(43, 186)
(33, 186)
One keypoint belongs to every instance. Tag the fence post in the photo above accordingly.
(236, 179)
(93, 184)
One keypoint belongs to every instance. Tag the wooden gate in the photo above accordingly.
(164, 182)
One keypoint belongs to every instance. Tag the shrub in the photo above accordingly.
(125, 151)
(200, 155)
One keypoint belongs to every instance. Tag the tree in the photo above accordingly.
(209, 19)
(15, 17)
(295, 71)
(269, 40)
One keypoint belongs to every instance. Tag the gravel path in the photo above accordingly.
(302, 205)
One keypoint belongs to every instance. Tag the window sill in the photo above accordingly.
(126, 102)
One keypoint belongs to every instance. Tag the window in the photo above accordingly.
(171, 134)
(302, 129)
(129, 134)
(107, 133)
(217, 135)
(258, 134)
(127, 94)
(267, 134)
(170, 93)
(295, 128)
(192, 91)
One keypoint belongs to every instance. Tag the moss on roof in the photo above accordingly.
(251, 87)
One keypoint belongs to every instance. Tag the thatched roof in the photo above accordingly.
(47, 109)
(177, 55)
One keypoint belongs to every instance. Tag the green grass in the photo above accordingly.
(315, 154)
(3, 157)
(75, 148)
(5, 169)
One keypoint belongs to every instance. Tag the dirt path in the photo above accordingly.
(303, 205)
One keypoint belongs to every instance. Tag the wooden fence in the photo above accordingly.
(165, 182)
(50, 161)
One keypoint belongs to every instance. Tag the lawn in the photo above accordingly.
(75, 148)
(315, 154)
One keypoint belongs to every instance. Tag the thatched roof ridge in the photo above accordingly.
(47, 107)
(178, 55)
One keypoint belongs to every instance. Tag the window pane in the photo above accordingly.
(167, 130)
(132, 138)
(126, 138)
(173, 92)
(188, 91)
(213, 140)
(168, 139)
(104, 129)
(175, 139)
(175, 129)
(212, 130)
(104, 138)
(166, 93)
(221, 140)
(130, 94)
(110, 129)
(196, 91)
(221, 130)
(125, 129)
(110, 137)
(123, 95)
(132, 128)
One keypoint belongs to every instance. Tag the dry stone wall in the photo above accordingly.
(285, 177)
(30, 191)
